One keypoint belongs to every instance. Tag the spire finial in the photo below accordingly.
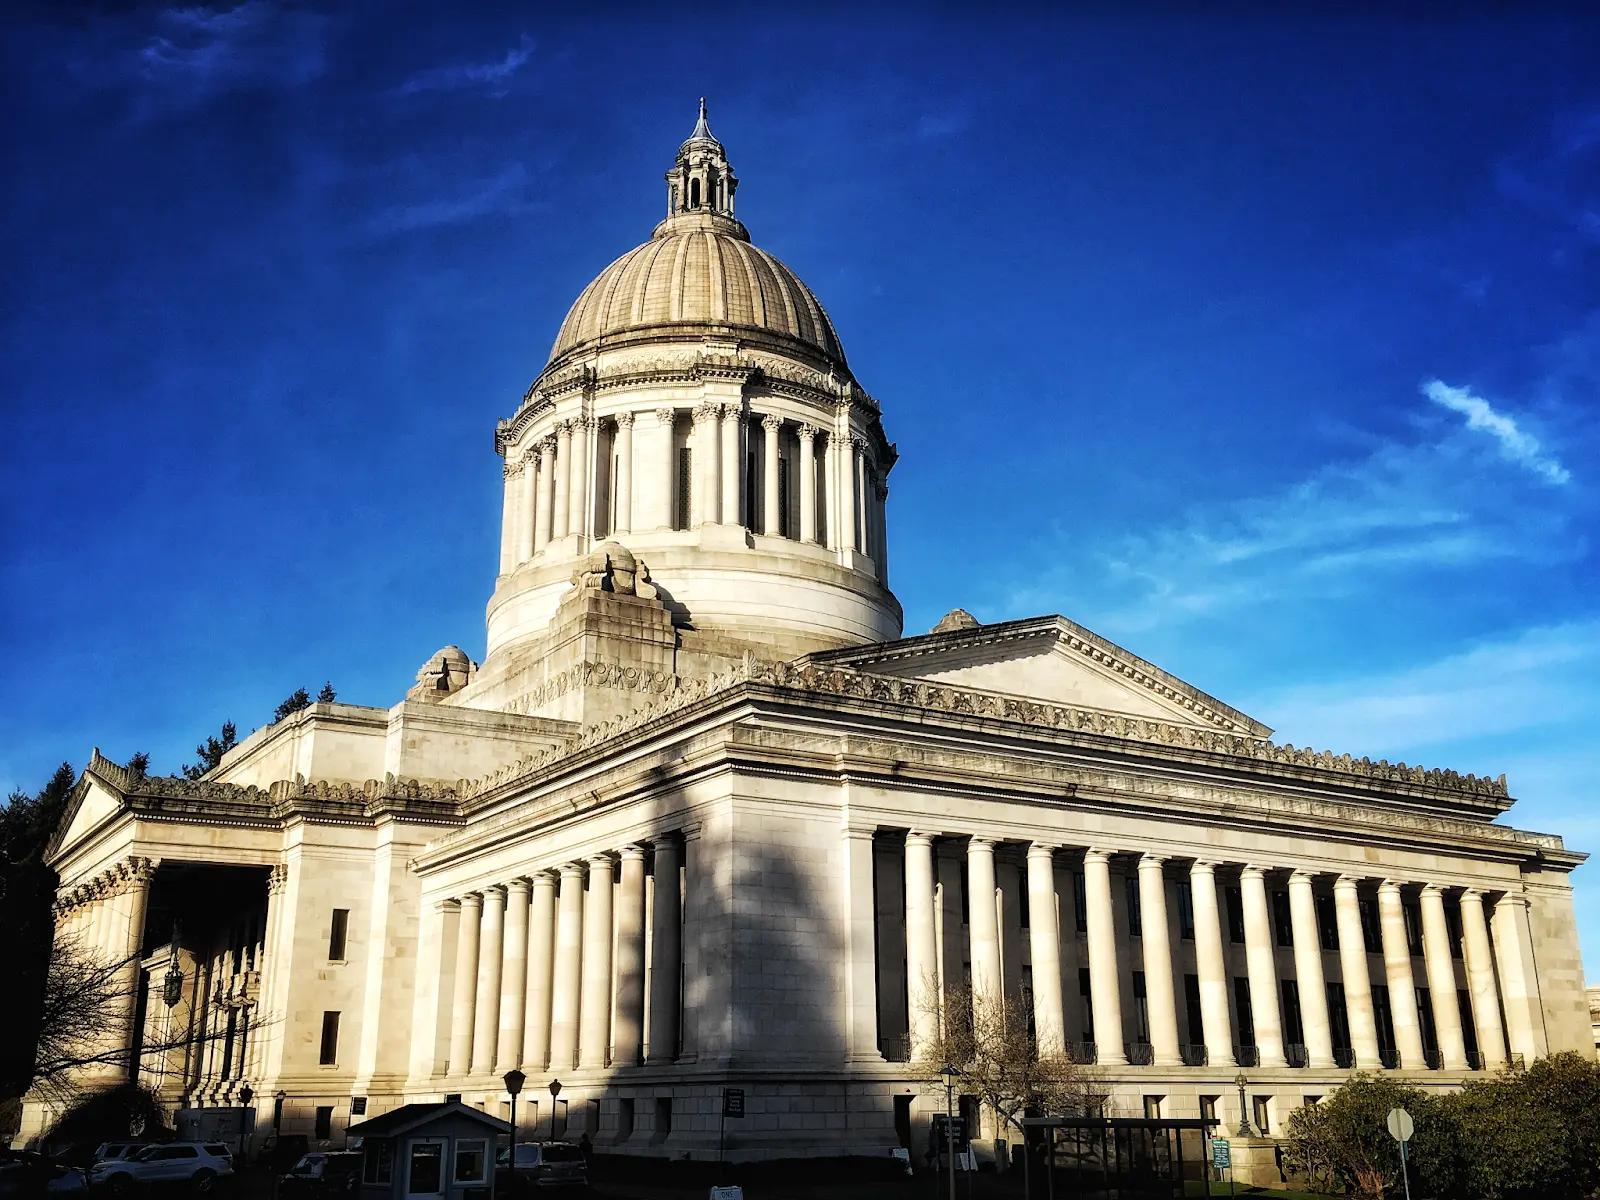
(701, 128)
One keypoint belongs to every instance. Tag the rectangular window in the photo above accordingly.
(1430, 1035)
(1293, 1032)
(330, 1039)
(1191, 1004)
(1371, 931)
(1152, 1107)
(1263, 1110)
(325, 1123)
(683, 515)
(783, 499)
(966, 901)
(1141, 1010)
(1413, 917)
(472, 1157)
(1327, 923)
(1282, 919)
(752, 489)
(624, 1119)
(336, 935)
(1185, 910)
(227, 1044)
(1235, 898)
(1452, 924)
(1087, 994)
(1135, 916)
(1241, 1004)
(377, 1161)
(1208, 1108)
(1022, 904)
(1080, 901)
(426, 1176)
(663, 1116)
(1469, 1028)
(1383, 1017)
(1338, 1016)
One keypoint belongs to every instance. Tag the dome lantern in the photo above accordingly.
(701, 179)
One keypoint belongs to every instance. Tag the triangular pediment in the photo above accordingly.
(95, 805)
(1051, 659)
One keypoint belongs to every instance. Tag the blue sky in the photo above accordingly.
(1268, 347)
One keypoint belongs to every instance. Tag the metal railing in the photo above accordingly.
(1432, 1059)
(1474, 1060)
(1247, 1056)
(1344, 1057)
(896, 1048)
(1082, 1053)
(1140, 1054)
(1389, 1059)
(1518, 1062)
(1295, 1055)
(1194, 1056)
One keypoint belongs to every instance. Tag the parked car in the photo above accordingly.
(280, 1151)
(198, 1164)
(26, 1174)
(322, 1173)
(110, 1150)
(541, 1165)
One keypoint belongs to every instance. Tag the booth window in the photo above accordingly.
(377, 1163)
(472, 1157)
(426, 1175)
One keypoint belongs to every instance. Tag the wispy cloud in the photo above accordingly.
(493, 77)
(1516, 444)
(192, 53)
(503, 192)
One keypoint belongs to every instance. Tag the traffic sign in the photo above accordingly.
(733, 1102)
(1401, 1127)
(1221, 1154)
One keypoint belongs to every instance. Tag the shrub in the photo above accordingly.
(1342, 1142)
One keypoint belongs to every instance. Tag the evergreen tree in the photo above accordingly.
(297, 699)
(211, 751)
(327, 695)
(139, 765)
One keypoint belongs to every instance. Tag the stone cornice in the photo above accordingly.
(593, 674)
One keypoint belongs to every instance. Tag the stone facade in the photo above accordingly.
(703, 817)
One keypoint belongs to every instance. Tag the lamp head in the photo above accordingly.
(514, 1079)
(949, 1074)
(1241, 1082)
(246, 1094)
(280, 1094)
(555, 1088)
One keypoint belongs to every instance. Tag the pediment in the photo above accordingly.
(94, 805)
(1050, 659)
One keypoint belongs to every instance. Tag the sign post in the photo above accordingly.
(1222, 1158)
(732, 1106)
(1401, 1127)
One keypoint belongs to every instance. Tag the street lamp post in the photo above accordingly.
(246, 1094)
(1244, 1115)
(555, 1090)
(949, 1074)
(514, 1079)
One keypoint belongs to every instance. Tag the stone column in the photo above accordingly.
(561, 524)
(491, 946)
(705, 496)
(628, 1028)
(462, 1013)
(1480, 977)
(848, 493)
(580, 508)
(1518, 980)
(514, 977)
(880, 531)
(1442, 980)
(1262, 970)
(1157, 940)
(1210, 965)
(983, 929)
(665, 953)
(1044, 938)
(565, 983)
(130, 939)
(545, 525)
(594, 1022)
(541, 960)
(1314, 1022)
(1105, 993)
(923, 1001)
(771, 506)
(1357, 980)
(808, 483)
(860, 925)
(622, 519)
(509, 516)
(527, 522)
(1397, 970)
(732, 462)
(666, 498)
(863, 491)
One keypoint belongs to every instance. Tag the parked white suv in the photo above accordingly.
(199, 1164)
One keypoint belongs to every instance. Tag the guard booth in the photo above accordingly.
(429, 1152)
(1120, 1156)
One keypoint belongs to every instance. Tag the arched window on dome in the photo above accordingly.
(694, 193)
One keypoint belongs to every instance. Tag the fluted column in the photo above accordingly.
(1105, 992)
(849, 496)
(510, 514)
(1314, 1023)
(732, 462)
(808, 483)
(541, 965)
(1157, 942)
(491, 945)
(1210, 965)
(545, 523)
(465, 990)
(565, 982)
(628, 1033)
(1044, 944)
(922, 962)
(705, 496)
(983, 928)
(666, 500)
(561, 523)
(528, 506)
(771, 506)
(1480, 978)
(130, 934)
(622, 519)
(666, 941)
(863, 492)
(514, 977)
(1357, 979)
(594, 1022)
(1442, 980)
(580, 509)
(1397, 970)
(1514, 956)
(1260, 966)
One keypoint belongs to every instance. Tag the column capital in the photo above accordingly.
(916, 835)
(546, 878)
(1434, 889)
(1096, 854)
(1475, 895)
(624, 418)
(633, 851)
(494, 891)
(1203, 866)
(1250, 870)
(562, 428)
(706, 410)
(517, 886)
(1520, 898)
(1303, 876)
(569, 869)
(808, 432)
(1151, 861)
(547, 444)
(512, 469)
(732, 413)
(601, 862)
(471, 900)
(1346, 882)
(667, 416)
(977, 840)
(772, 422)
(1042, 850)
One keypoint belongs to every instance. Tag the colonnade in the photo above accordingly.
(104, 918)
(554, 488)
(1495, 946)
(551, 969)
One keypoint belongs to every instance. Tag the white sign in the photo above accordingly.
(727, 1193)
(1400, 1125)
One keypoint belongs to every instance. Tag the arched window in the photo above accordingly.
(694, 193)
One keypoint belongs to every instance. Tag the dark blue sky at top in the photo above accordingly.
(1268, 346)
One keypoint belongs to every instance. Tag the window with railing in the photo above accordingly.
(1185, 910)
(1080, 902)
(1247, 1055)
(1344, 1057)
(1235, 906)
(1389, 1059)
(1296, 1055)
(1327, 923)
(1371, 931)
(1083, 1053)
(1193, 1054)
(1130, 891)
(1140, 1054)
(1282, 919)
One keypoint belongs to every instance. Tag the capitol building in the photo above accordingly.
(705, 815)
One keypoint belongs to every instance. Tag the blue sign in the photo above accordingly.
(1221, 1154)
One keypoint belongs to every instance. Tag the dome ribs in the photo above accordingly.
(675, 310)
(696, 280)
(756, 297)
(716, 281)
(791, 324)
